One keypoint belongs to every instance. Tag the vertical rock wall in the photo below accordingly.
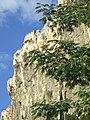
(26, 87)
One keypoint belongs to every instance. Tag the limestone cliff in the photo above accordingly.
(25, 87)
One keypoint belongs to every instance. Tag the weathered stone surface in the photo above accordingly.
(26, 87)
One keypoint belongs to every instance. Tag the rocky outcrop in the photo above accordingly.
(26, 87)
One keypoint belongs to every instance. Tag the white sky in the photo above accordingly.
(23, 9)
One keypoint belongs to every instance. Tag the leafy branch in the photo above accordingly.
(66, 16)
(63, 60)
(50, 110)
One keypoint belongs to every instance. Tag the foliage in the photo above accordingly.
(50, 110)
(63, 60)
(47, 11)
(68, 15)
(66, 61)
(82, 105)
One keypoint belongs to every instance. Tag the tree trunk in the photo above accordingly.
(61, 98)
(61, 113)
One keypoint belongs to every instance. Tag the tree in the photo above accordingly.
(64, 61)
(67, 62)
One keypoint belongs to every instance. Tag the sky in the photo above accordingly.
(17, 18)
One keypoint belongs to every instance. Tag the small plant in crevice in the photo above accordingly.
(49, 94)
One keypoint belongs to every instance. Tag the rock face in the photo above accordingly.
(26, 87)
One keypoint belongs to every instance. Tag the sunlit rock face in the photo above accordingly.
(26, 87)
(63, 1)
